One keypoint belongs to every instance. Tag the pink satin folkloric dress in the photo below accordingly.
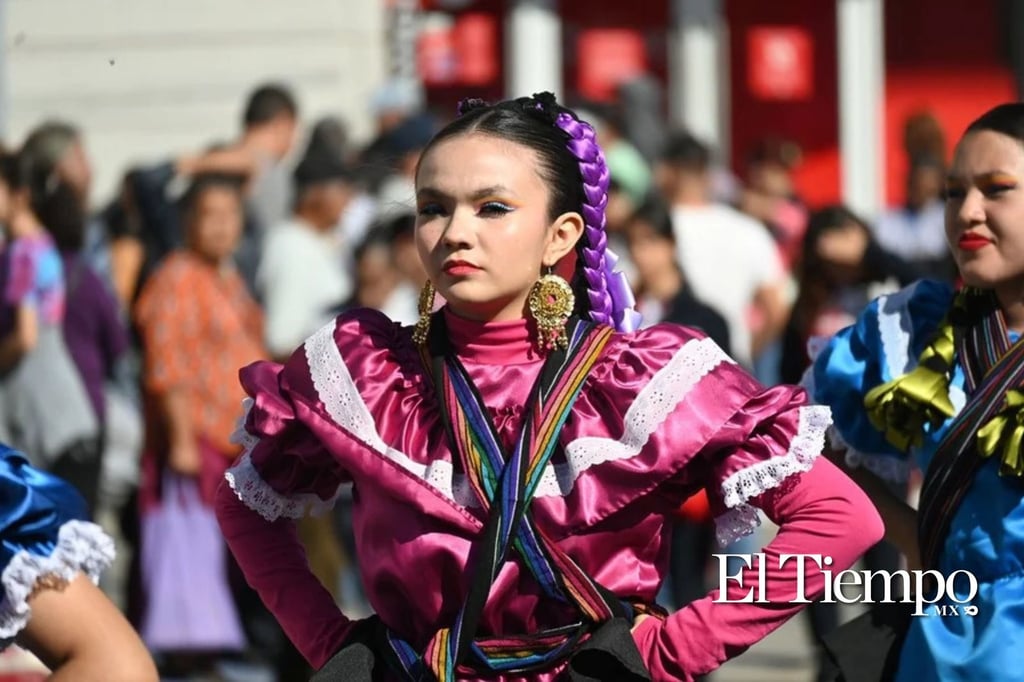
(662, 414)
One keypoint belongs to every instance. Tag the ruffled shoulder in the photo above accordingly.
(44, 534)
(666, 405)
(882, 344)
(296, 411)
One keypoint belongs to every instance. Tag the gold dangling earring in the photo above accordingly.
(426, 307)
(551, 303)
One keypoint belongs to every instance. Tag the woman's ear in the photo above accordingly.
(565, 231)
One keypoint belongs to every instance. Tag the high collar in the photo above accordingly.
(491, 343)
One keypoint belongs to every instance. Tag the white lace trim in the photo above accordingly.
(735, 524)
(260, 497)
(739, 487)
(886, 467)
(82, 547)
(648, 411)
(338, 393)
(894, 327)
(256, 493)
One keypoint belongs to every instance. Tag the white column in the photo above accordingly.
(698, 70)
(4, 74)
(533, 39)
(861, 104)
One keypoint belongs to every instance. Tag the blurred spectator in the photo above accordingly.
(840, 271)
(270, 122)
(198, 325)
(641, 101)
(57, 147)
(301, 277)
(376, 275)
(771, 198)
(728, 259)
(44, 406)
(392, 103)
(916, 231)
(94, 330)
(626, 165)
(661, 291)
(403, 146)
(923, 136)
(401, 305)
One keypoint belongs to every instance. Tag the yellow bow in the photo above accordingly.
(901, 408)
(1005, 431)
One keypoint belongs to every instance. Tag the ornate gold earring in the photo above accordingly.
(551, 302)
(426, 307)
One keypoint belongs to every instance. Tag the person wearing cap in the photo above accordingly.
(301, 275)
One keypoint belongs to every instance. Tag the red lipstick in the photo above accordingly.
(459, 268)
(970, 241)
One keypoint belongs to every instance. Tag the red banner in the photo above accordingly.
(607, 57)
(780, 63)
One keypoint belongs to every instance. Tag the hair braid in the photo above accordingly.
(611, 299)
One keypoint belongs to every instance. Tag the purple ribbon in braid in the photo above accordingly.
(611, 298)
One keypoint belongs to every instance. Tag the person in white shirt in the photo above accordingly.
(729, 259)
(301, 277)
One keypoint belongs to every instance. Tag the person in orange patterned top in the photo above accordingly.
(198, 325)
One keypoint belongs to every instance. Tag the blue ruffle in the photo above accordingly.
(43, 530)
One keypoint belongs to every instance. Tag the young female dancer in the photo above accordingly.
(518, 455)
(940, 374)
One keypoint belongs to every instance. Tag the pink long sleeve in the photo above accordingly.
(274, 563)
(821, 512)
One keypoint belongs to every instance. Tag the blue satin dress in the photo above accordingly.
(43, 531)
(987, 533)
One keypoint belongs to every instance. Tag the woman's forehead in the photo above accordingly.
(987, 151)
(478, 159)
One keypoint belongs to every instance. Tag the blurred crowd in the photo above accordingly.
(122, 327)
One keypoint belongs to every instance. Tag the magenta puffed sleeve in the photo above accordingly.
(283, 473)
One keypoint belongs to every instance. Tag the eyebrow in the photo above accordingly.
(481, 193)
(987, 175)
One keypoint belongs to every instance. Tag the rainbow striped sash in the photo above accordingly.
(505, 483)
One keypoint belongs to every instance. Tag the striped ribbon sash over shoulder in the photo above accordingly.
(992, 369)
(504, 483)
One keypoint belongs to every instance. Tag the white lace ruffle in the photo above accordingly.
(341, 399)
(736, 523)
(756, 479)
(258, 496)
(886, 467)
(894, 326)
(82, 547)
(650, 408)
(256, 493)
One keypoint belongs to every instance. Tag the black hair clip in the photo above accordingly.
(542, 105)
(469, 104)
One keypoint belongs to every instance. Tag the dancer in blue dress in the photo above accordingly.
(50, 557)
(939, 374)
